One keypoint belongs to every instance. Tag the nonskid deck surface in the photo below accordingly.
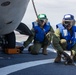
(25, 63)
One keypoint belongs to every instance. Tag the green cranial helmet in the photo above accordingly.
(42, 17)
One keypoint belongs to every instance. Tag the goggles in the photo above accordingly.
(41, 21)
(67, 23)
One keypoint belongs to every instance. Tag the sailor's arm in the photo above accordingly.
(30, 38)
(56, 41)
(51, 29)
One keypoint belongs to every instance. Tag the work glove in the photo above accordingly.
(48, 36)
(67, 58)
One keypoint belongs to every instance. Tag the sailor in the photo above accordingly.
(65, 37)
(42, 31)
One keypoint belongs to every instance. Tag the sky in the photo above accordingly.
(54, 9)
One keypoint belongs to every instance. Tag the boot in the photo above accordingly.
(44, 51)
(58, 59)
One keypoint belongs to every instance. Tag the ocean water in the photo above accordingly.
(54, 9)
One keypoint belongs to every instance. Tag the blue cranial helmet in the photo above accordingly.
(68, 17)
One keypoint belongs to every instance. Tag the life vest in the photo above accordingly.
(65, 34)
(39, 32)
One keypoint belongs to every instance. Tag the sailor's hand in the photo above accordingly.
(67, 58)
(48, 34)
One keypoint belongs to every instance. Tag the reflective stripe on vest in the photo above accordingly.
(71, 38)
